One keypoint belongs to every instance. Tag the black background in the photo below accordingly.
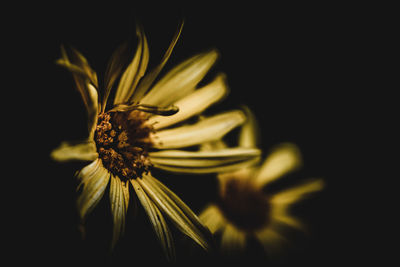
(300, 68)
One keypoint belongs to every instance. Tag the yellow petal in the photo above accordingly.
(134, 71)
(271, 240)
(292, 195)
(71, 151)
(283, 159)
(249, 132)
(194, 103)
(157, 221)
(222, 160)
(183, 218)
(149, 78)
(233, 240)
(118, 209)
(92, 191)
(181, 80)
(212, 217)
(206, 130)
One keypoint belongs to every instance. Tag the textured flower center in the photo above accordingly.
(245, 205)
(123, 141)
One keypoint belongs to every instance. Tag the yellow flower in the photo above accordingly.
(138, 131)
(243, 208)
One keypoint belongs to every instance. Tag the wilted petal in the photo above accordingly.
(70, 151)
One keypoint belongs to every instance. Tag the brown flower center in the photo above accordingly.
(123, 141)
(245, 205)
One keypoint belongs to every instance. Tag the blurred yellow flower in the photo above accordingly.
(137, 132)
(243, 209)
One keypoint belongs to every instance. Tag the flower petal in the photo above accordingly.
(249, 132)
(212, 217)
(222, 160)
(180, 214)
(292, 195)
(71, 151)
(92, 191)
(233, 240)
(194, 103)
(149, 78)
(271, 240)
(180, 80)
(87, 172)
(134, 71)
(157, 221)
(206, 130)
(283, 159)
(118, 209)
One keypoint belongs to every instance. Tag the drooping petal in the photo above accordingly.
(79, 60)
(149, 78)
(71, 151)
(194, 103)
(283, 159)
(212, 217)
(118, 209)
(181, 80)
(173, 207)
(92, 191)
(233, 240)
(157, 221)
(134, 71)
(222, 160)
(249, 132)
(86, 83)
(87, 172)
(206, 130)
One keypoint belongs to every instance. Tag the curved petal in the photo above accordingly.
(283, 159)
(149, 78)
(134, 71)
(206, 130)
(92, 191)
(157, 221)
(181, 80)
(194, 103)
(249, 132)
(71, 151)
(173, 207)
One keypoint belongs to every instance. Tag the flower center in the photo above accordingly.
(245, 205)
(123, 141)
